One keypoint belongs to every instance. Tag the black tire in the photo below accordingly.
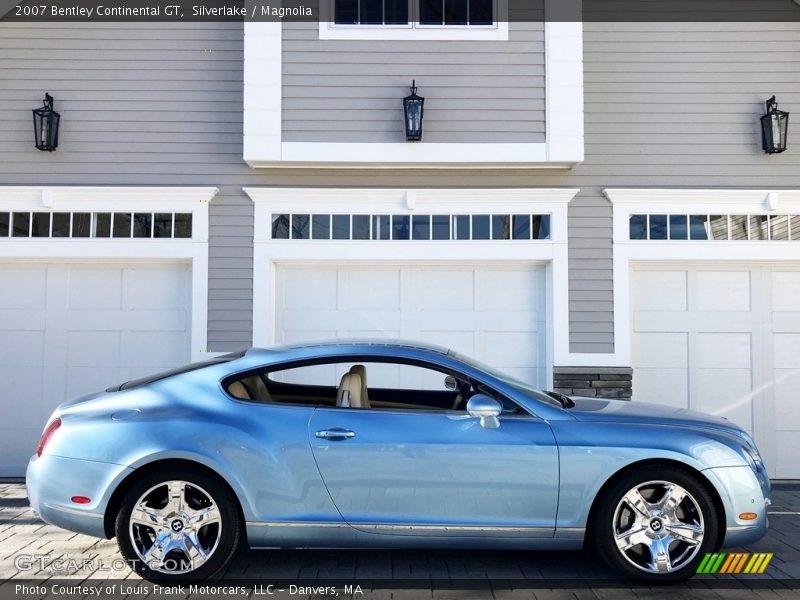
(616, 515)
(201, 492)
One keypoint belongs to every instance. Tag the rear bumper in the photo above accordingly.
(52, 481)
(741, 491)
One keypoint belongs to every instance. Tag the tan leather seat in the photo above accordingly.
(361, 371)
(349, 392)
(256, 388)
(237, 390)
(250, 388)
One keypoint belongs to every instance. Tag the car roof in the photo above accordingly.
(363, 344)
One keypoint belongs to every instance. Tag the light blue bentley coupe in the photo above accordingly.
(376, 444)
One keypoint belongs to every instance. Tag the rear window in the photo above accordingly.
(177, 371)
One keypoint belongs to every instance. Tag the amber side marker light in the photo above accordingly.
(81, 499)
(748, 516)
(47, 434)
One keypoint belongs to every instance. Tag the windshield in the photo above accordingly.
(517, 384)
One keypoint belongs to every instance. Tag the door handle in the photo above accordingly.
(337, 433)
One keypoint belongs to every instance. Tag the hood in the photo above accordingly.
(626, 411)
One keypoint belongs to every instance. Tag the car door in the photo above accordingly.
(437, 472)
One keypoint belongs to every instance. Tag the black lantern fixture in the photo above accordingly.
(774, 127)
(45, 125)
(413, 107)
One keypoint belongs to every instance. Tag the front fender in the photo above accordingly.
(592, 453)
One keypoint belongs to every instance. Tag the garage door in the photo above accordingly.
(723, 340)
(67, 330)
(493, 313)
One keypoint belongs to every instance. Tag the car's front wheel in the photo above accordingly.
(656, 529)
(178, 525)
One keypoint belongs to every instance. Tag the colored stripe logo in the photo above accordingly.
(735, 562)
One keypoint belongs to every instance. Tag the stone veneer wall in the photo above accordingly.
(600, 382)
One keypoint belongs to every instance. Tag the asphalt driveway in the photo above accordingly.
(31, 550)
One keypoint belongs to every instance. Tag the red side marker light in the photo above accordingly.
(81, 499)
(47, 434)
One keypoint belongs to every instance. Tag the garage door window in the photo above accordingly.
(95, 225)
(714, 227)
(425, 227)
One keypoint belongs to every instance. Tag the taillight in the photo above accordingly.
(51, 428)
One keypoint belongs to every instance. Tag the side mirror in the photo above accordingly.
(487, 409)
(450, 383)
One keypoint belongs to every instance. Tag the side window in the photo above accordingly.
(354, 384)
(365, 384)
(384, 375)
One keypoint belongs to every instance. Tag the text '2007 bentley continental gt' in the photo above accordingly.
(372, 444)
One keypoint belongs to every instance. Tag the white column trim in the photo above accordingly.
(194, 200)
(564, 91)
(263, 96)
(553, 253)
(630, 201)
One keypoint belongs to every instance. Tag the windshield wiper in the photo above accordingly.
(565, 401)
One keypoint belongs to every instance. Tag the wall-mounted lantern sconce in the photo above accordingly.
(413, 107)
(774, 127)
(45, 125)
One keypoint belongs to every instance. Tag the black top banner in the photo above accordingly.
(321, 10)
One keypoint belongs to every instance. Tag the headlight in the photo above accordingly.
(752, 456)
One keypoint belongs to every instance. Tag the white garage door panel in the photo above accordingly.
(662, 386)
(724, 392)
(24, 287)
(661, 290)
(785, 369)
(733, 349)
(722, 290)
(67, 330)
(495, 313)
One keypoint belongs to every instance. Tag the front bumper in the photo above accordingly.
(52, 481)
(741, 491)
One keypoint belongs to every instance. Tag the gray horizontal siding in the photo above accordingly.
(351, 91)
(667, 105)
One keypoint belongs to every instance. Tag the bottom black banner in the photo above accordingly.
(111, 589)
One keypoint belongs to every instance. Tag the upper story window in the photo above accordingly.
(416, 20)
(414, 13)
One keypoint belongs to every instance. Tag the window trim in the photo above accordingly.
(414, 30)
(497, 32)
(264, 146)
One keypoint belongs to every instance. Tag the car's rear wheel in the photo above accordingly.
(656, 529)
(178, 525)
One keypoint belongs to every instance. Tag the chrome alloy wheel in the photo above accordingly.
(658, 527)
(175, 527)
